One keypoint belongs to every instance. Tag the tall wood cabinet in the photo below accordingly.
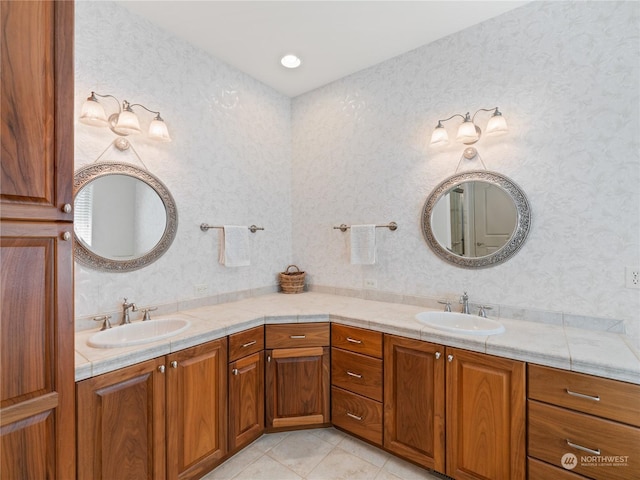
(37, 413)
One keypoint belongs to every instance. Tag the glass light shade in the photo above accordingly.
(93, 113)
(439, 137)
(467, 132)
(127, 123)
(497, 125)
(158, 130)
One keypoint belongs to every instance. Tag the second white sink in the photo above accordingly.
(460, 323)
(138, 333)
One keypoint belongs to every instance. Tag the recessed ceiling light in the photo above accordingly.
(290, 61)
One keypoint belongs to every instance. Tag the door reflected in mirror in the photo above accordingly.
(474, 219)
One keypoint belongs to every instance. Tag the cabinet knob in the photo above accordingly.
(66, 236)
(234, 371)
(161, 369)
(174, 364)
(450, 358)
(66, 208)
(438, 354)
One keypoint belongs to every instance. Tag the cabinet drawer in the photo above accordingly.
(292, 335)
(552, 428)
(246, 343)
(356, 340)
(594, 395)
(357, 373)
(538, 470)
(356, 414)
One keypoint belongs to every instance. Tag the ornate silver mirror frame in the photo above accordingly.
(83, 253)
(515, 242)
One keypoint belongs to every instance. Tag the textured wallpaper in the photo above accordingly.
(565, 75)
(229, 162)
(566, 78)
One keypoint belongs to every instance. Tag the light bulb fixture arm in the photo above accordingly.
(494, 110)
(147, 109)
(452, 116)
(94, 95)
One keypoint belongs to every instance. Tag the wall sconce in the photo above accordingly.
(125, 121)
(468, 132)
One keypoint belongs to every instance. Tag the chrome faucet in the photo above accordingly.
(464, 300)
(125, 311)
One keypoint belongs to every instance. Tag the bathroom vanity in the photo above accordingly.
(453, 403)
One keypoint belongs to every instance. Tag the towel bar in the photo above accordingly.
(391, 226)
(205, 226)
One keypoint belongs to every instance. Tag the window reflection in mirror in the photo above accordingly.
(119, 217)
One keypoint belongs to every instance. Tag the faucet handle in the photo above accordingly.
(146, 313)
(447, 305)
(105, 321)
(483, 310)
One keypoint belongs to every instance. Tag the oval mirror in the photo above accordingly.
(124, 217)
(476, 219)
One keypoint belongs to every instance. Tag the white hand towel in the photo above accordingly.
(234, 246)
(363, 244)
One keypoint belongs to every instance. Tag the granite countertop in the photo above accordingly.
(587, 351)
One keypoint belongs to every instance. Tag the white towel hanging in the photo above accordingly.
(234, 246)
(363, 244)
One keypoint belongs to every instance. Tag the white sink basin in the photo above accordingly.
(460, 323)
(138, 333)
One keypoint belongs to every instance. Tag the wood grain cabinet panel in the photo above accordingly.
(357, 414)
(357, 373)
(603, 397)
(196, 409)
(37, 98)
(294, 335)
(597, 443)
(121, 424)
(246, 400)
(414, 400)
(538, 470)
(358, 340)
(486, 423)
(246, 343)
(297, 387)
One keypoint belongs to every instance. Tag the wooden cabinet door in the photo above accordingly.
(36, 351)
(297, 387)
(37, 98)
(246, 400)
(485, 416)
(414, 400)
(121, 424)
(196, 409)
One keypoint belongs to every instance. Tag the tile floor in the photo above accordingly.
(318, 454)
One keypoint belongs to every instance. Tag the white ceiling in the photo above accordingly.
(333, 38)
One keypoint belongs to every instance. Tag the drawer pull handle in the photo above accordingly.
(584, 449)
(248, 344)
(353, 340)
(297, 337)
(595, 398)
(351, 374)
(355, 417)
